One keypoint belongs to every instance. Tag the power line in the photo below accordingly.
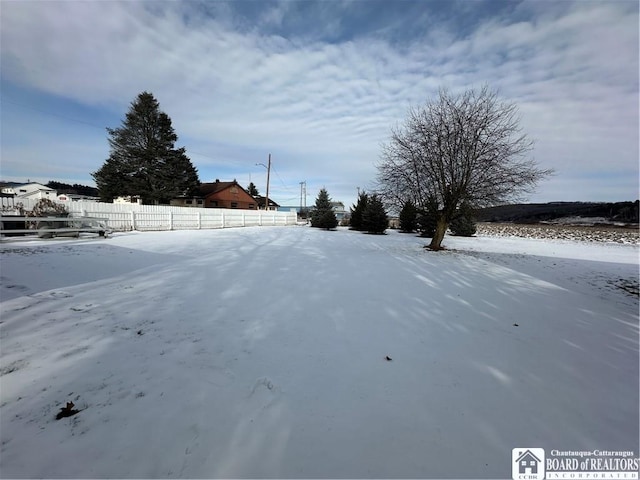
(102, 127)
(281, 181)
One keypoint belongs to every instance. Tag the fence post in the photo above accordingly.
(133, 220)
(170, 220)
(222, 215)
(199, 221)
(243, 222)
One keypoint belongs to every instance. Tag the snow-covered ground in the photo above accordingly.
(260, 352)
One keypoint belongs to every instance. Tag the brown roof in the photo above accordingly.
(213, 187)
(260, 199)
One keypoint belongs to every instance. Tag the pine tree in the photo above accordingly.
(357, 211)
(427, 222)
(463, 225)
(408, 217)
(143, 160)
(374, 218)
(323, 215)
(252, 189)
(428, 218)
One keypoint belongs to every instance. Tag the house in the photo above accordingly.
(31, 191)
(219, 195)
(528, 463)
(261, 201)
(195, 201)
(128, 199)
(338, 209)
(74, 197)
(7, 190)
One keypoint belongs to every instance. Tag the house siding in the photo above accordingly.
(231, 197)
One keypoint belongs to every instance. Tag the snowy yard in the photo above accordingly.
(260, 352)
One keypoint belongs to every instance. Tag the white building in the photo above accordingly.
(339, 210)
(32, 191)
(74, 197)
(128, 199)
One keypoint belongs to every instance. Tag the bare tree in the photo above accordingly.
(464, 148)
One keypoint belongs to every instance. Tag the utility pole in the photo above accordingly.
(301, 183)
(303, 196)
(266, 200)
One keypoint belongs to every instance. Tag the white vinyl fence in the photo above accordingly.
(125, 216)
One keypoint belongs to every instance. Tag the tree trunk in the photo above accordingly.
(441, 228)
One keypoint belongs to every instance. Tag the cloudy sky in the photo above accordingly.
(318, 84)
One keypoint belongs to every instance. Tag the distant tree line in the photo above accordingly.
(628, 212)
(75, 189)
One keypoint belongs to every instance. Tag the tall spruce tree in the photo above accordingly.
(143, 160)
(357, 211)
(323, 215)
(374, 217)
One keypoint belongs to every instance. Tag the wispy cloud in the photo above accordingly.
(319, 84)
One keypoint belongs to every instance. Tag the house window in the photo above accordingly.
(234, 204)
(199, 202)
(189, 202)
(213, 203)
(251, 205)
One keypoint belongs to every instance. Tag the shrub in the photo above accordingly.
(47, 208)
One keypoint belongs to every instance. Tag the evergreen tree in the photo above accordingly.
(408, 217)
(374, 218)
(463, 225)
(323, 215)
(358, 210)
(143, 160)
(428, 218)
(253, 191)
